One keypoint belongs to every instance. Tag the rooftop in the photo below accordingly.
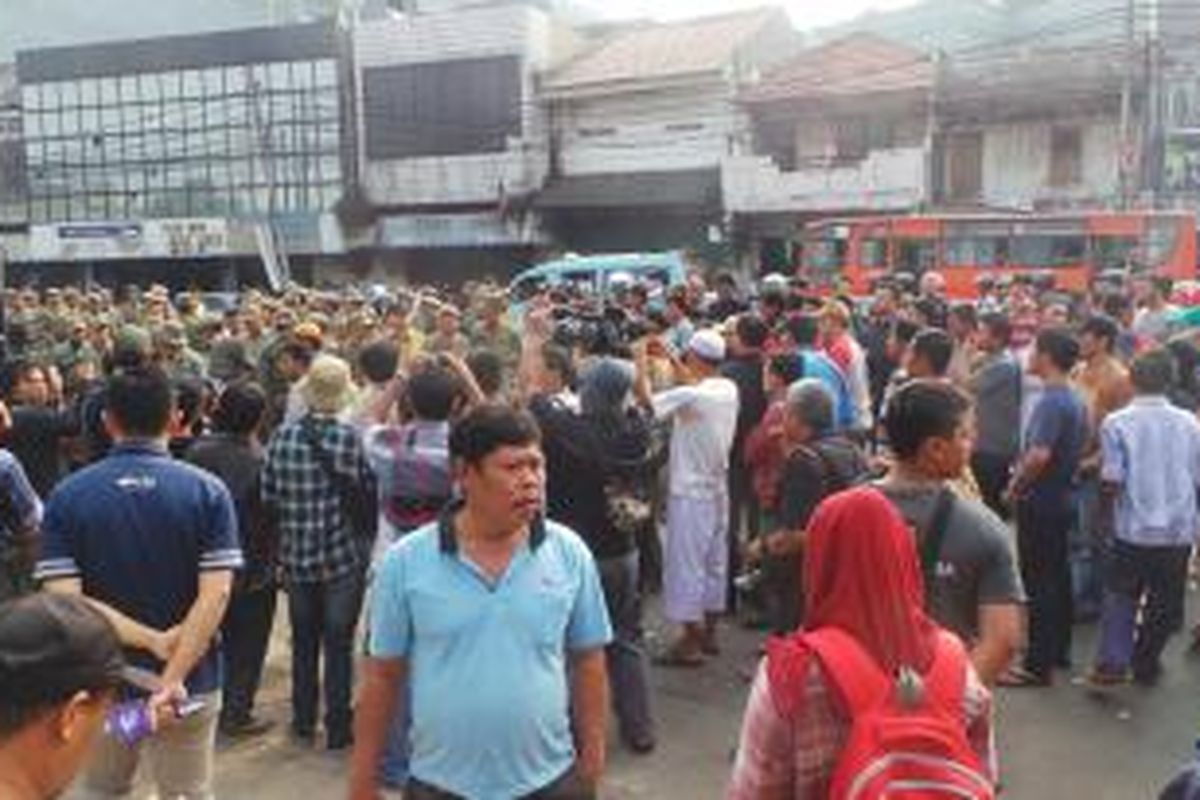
(857, 64)
(666, 50)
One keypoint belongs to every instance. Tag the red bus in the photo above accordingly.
(1074, 247)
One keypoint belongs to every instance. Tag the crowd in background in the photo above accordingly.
(685, 439)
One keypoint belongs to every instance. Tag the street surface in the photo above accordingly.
(1057, 743)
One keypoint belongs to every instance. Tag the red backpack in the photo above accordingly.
(907, 740)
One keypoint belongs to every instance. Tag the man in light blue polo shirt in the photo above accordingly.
(1150, 474)
(477, 617)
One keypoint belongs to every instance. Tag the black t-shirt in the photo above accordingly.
(814, 472)
(747, 373)
(582, 457)
(35, 439)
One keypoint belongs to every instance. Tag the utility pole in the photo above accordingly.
(1155, 138)
(1126, 154)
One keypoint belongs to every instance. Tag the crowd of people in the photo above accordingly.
(451, 489)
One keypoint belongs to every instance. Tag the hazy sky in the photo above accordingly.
(806, 13)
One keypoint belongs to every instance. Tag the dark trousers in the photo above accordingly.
(628, 665)
(992, 473)
(245, 634)
(1136, 572)
(568, 787)
(743, 506)
(1043, 531)
(323, 617)
(783, 595)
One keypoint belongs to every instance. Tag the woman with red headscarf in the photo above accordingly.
(861, 576)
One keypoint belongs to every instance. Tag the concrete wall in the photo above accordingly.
(462, 34)
(688, 127)
(885, 180)
(1016, 164)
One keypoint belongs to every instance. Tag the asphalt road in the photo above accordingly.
(1054, 743)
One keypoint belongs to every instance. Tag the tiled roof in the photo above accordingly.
(861, 63)
(664, 50)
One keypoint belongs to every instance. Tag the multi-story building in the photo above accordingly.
(453, 143)
(212, 149)
(641, 121)
(12, 153)
(842, 128)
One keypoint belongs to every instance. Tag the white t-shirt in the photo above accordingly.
(705, 417)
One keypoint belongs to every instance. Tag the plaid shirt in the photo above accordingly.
(316, 540)
(794, 758)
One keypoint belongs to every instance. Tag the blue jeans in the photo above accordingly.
(1088, 554)
(323, 617)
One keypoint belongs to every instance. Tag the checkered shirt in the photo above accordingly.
(794, 758)
(317, 542)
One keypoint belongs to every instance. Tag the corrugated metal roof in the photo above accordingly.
(861, 63)
(690, 188)
(665, 50)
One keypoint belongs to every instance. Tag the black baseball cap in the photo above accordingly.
(52, 646)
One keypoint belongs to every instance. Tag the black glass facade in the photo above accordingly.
(231, 124)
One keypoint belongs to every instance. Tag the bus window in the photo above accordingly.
(978, 251)
(915, 255)
(874, 253)
(1161, 240)
(1047, 250)
(1113, 252)
(825, 255)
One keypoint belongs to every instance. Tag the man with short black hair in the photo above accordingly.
(971, 577)
(805, 333)
(1103, 382)
(929, 354)
(1150, 474)
(153, 543)
(493, 622)
(1043, 490)
(60, 666)
(995, 387)
(233, 452)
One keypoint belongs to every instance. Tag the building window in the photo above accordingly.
(684, 127)
(185, 143)
(596, 133)
(1066, 157)
(964, 167)
(442, 108)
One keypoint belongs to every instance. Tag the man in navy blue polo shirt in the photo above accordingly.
(474, 618)
(153, 544)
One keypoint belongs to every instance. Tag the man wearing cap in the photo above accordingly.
(493, 332)
(309, 463)
(704, 410)
(178, 359)
(153, 544)
(448, 337)
(60, 665)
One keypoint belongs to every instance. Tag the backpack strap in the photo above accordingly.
(855, 677)
(935, 535)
